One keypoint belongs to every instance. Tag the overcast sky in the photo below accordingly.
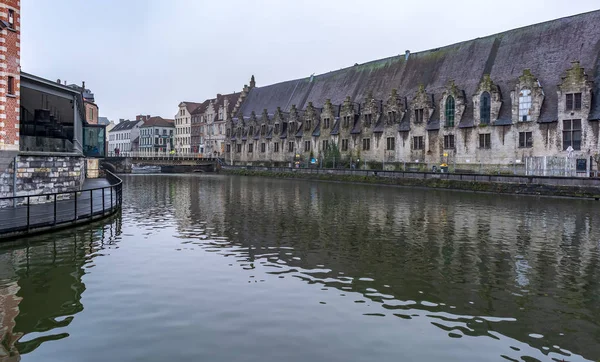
(145, 56)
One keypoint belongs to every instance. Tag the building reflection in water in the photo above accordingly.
(477, 265)
(41, 284)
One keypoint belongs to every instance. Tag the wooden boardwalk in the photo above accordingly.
(89, 204)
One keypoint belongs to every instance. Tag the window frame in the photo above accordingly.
(366, 144)
(307, 146)
(572, 131)
(485, 141)
(524, 141)
(325, 145)
(10, 89)
(450, 111)
(525, 99)
(449, 142)
(344, 144)
(420, 145)
(485, 108)
(419, 112)
(263, 147)
(391, 144)
(250, 148)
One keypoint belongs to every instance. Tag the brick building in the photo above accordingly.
(501, 100)
(10, 51)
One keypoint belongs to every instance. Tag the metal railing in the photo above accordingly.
(163, 155)
(21, 215)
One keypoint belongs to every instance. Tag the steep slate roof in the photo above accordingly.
(158, 122)
(103, 120)
(546, 48)
(125, 125)
(191, 106)
(201, 107)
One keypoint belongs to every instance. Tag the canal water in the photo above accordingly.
(223, 268)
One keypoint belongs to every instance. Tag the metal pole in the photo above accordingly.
(75, 219)
(15, 181)
(54, 209)
(28, 213)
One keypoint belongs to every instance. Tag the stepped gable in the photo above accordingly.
(547, 49)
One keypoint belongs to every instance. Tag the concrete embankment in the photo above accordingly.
(503, 184)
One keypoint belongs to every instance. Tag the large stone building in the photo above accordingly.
(503, 99)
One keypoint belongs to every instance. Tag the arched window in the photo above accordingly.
(524, 105)
(450, 111)
(484, 108)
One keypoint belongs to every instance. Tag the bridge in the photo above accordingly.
(169, 163)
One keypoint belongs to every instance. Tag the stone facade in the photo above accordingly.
(43, 173)
(494, 101)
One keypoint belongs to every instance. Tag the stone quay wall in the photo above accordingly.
(42, 174)
(588, 188)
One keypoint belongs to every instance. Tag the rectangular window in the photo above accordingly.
(368, 119)
(306, 146)
(419, 115)
(525, 140)
(485, 140)
(572, 134)
(11, 18)
(263, 129)
(344, 145)
(250, 147)
(239, 147)
(573, 102)
(366, 144)
(11, 85)
(263, 147)
(276, 128)
(290, 146)
(418, 143)
(325, 145)
(325, 122)
(228, 148)
(392, 116)
(391, 143)
(307, 125)
(449, 141)
(276, 147)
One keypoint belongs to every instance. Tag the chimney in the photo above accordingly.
(65, 82)
(58, 81)
(83, 85)
(406, 55)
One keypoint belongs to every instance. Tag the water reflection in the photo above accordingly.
(41, 285)
(519, 270)
(395, 273)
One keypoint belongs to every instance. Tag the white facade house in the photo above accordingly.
(156, 136)
(123, 135)
(183, 126)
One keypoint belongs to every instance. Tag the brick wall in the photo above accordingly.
(10, 51)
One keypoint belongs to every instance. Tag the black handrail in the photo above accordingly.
(20, 216)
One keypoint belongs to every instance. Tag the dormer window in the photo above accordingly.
(392, 116)
(419, 115)
(276, 128)
(524, 105)
(484, 108)
(292, 127)
(368, 119)
(573, 102)
(263, 129)
(346, 121)
(450, 108)
(221, 114)
(325, 122)
(307, 125)
(251, 131)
